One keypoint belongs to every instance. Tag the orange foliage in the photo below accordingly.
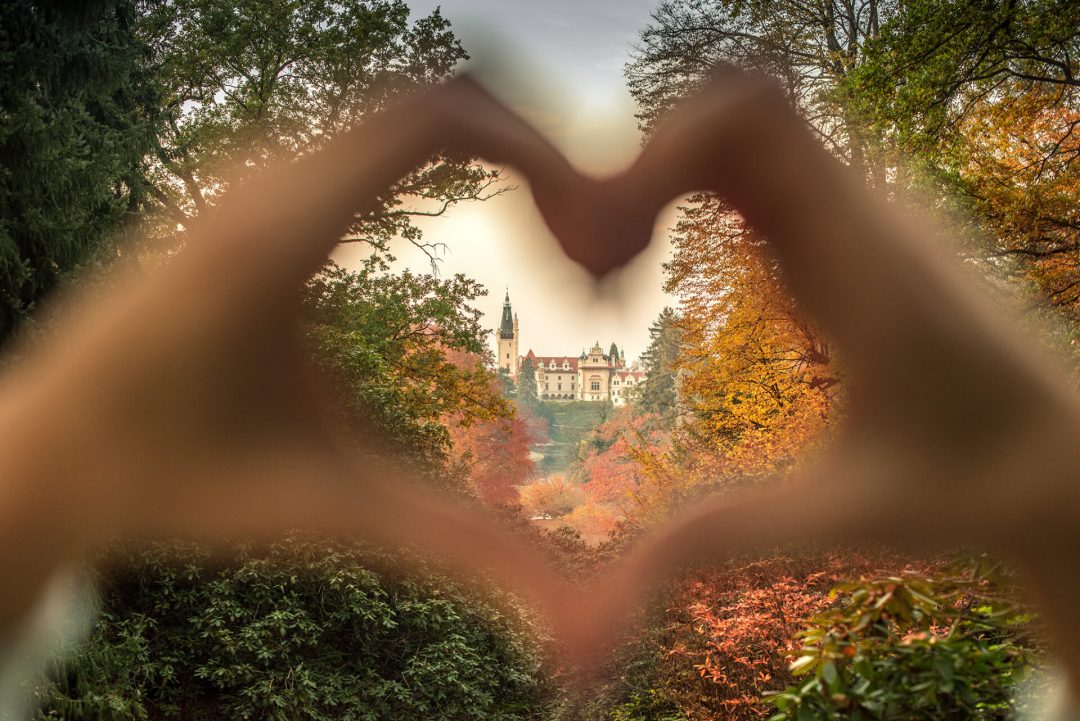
(551, 497)
(623, 464)
(496, 454)
(756, 374)
(493, 447)
(1018, 161)
(731, 632)
(593, 521)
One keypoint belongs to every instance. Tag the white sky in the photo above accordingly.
(566, 77)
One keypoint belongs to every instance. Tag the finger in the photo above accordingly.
(865, 270)
(346, 497)
(272, 232)
(596, 222)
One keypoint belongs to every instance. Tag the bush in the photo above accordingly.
(307, 631)
(908, 647)
(552, 497)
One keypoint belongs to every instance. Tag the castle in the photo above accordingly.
(592, 376)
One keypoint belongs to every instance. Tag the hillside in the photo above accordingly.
(569, 424)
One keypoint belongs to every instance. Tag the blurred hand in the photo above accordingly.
(184, 406)
(180, 403)
(956, 432)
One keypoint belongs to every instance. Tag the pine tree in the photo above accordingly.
(658, 393)
(78, 117)
(526, 385)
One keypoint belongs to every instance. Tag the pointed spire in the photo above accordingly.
(506, 328)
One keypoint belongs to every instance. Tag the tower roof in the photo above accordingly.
(506, 328)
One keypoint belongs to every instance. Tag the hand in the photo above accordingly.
(956, 431)
(181, 403)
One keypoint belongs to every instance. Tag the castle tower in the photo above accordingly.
(508, 340)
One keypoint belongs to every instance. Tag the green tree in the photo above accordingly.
(307, 631)
(659, 393)
(78, 116)
(311, 630)
(507, 387)
(246, 82)
(526, 385)
(390, 343)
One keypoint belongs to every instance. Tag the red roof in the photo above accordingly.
(558, 360)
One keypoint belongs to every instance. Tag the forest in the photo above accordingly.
(119, 120)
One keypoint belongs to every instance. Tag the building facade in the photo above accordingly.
(594, 376)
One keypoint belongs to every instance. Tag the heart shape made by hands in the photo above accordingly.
(201, 415)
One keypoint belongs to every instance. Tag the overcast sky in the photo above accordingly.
(560, 63)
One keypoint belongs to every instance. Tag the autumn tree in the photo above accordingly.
(552, 497)
(756, 375)
(986, 113)
(755, 381)
(493, 453)
(623, 466)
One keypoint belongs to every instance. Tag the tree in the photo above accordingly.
(307, 630)
(496, 454)
(987, 113)
(243, 83)
(526, 385)
(756, 376)
(314, 630)
(807, 45)
(552, 497)
(406, 355)
(78, 117)
(659, 393)
(507, 387)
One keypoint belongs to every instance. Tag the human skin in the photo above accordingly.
(180, 404)
(155, 411)
(956, 431)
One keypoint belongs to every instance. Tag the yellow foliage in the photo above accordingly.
(758, 377)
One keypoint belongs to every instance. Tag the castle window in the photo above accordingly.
(595, 385)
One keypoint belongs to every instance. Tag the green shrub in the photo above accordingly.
(910, 648)
(306, 631)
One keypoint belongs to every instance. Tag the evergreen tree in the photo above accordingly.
(658, 394)
(526, 385)
(78, 117)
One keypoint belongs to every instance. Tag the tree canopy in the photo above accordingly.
(245, 82)
(79, 116)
